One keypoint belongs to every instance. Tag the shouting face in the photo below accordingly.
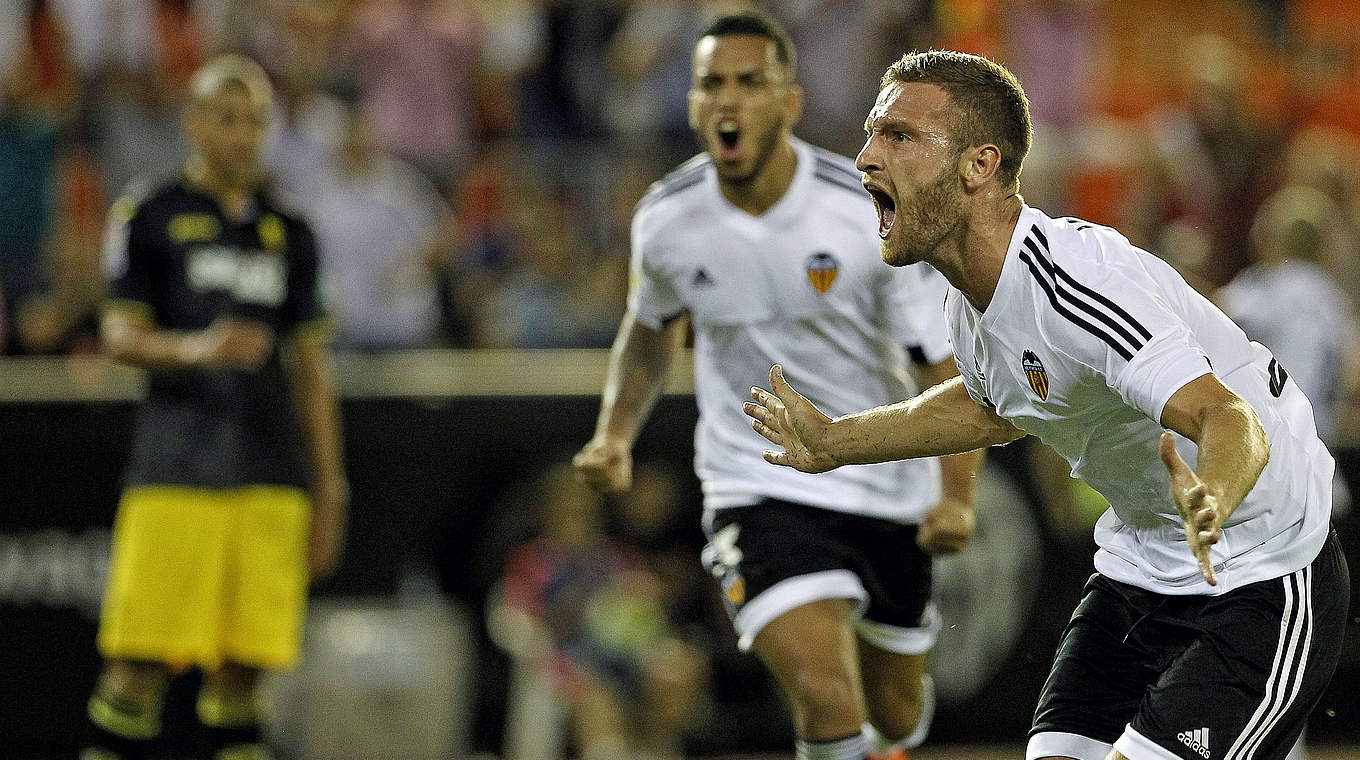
(741, 103)
(911, 168)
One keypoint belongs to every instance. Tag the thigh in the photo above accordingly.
(1265, 654)
(773, 557)
(1099, 675)
(166, 576)
(812, 652)
(267, 595)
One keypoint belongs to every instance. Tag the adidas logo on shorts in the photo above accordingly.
(1198, 740)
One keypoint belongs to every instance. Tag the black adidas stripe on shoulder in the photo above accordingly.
(1082, 224)
(1099, 298)
(1066, 294)
(835, 164)
(687, 175)
(839, 180)
(686, 172)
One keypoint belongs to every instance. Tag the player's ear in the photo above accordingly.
(979, 165)
(793, 103)
(693, 108)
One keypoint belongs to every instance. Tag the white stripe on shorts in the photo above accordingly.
(795, 592)
(1286, 672)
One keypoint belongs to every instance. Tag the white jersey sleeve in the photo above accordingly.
(652, 298)
(1113, 316)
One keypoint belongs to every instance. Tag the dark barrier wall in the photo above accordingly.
(428, 475)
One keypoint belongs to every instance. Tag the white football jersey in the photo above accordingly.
(1083, 343)
(802, 285)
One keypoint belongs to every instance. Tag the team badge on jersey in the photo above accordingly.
(1035, 373)
(821, 270)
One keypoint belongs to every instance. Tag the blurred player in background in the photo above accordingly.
(767, 246)
(213, 290)
(1289, 302)
(1214, 621)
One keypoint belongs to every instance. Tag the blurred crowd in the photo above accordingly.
(470, 166)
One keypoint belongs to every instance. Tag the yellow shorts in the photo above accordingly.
(200, 576)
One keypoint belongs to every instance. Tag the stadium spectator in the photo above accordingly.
(377, 220)
(591, 617)
(418, 64)
(46, 267)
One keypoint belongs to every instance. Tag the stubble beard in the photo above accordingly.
(924, 221)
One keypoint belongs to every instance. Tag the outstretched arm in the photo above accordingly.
(943, 420)
(1233, 450)
(638, 366)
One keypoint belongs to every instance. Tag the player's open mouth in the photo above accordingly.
(729, 140)
(887, 210)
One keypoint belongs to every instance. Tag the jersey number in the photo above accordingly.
(1277, 377)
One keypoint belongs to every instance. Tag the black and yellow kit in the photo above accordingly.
(209, 556)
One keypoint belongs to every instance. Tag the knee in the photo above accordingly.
(894, 710)
(899, 709)
(825, 697)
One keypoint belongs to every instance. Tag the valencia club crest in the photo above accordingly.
(1035, 373)
(821, 270)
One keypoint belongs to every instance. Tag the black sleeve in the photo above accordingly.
(303, 304)
(129, 258)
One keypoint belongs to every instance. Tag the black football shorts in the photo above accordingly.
(1230, 677)
(774, 556)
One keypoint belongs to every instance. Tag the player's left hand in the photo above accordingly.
(947, 528)
(786, 418)
(326, 542)
(1198, 507)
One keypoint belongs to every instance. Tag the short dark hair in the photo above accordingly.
(993, 104)
(755, 25)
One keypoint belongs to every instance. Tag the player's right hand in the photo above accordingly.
(786, 418)
(231, 343)
(605, 464)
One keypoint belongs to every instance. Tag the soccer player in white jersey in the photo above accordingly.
(1214, 620)
(768, 247)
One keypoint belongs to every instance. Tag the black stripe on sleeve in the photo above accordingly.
(838, 181)
(667, 188)
(1063, 310)
(1054, 272)
(838, 166)
(1111, 305)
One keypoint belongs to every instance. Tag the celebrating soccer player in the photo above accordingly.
(1215, 618)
